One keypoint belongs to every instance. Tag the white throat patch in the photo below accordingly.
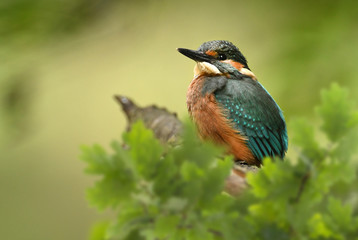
(202, 68)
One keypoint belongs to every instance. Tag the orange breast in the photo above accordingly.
(212, 123)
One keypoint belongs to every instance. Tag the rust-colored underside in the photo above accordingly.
(213, 124)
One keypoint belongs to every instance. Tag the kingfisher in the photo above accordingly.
(230, 107)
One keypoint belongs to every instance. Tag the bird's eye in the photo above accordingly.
(222, 56)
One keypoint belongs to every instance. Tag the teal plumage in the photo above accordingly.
(255, 115)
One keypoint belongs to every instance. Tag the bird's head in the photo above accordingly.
(218, 58)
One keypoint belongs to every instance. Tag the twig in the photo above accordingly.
(301, 188)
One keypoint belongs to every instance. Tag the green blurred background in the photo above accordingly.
(62, 61)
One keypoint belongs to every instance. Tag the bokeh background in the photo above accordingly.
(61, 61)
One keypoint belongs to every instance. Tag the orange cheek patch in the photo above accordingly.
(236, 65)
(241, 68)
(211, 53)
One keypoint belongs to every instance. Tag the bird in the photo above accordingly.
(230, 107)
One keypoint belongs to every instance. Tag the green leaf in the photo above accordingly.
(175, 204)
(318, 228)
(214, 180)
(97, 159)
(110, 191)
(166, 226)
(196, 230)
(270, 232)
(303, 137)
(190, 171)
(131, 219)
(145, 149)
(341, 214)
(336, 111)
(117, 180)
(98, 231)
(347, 146)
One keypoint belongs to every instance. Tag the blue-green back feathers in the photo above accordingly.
(255, 115)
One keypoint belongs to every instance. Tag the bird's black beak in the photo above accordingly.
(195, 55)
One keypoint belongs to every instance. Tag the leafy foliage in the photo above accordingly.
(176, 193)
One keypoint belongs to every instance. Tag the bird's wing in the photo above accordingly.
(255, 115)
